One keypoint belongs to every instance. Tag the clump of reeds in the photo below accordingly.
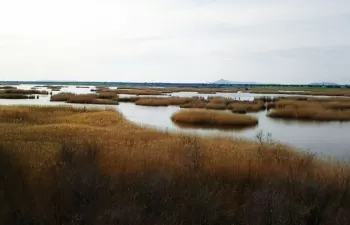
(212, 117)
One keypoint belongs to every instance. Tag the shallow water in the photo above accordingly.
(326, 138)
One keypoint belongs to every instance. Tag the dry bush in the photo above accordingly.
(212, 117)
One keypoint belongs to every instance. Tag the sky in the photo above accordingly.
(266, 41)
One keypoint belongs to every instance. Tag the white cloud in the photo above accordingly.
(175, 40)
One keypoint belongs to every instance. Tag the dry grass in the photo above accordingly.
(213, 118)
(61, 165)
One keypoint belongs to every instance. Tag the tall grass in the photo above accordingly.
(62, 165)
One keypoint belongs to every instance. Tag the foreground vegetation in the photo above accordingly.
(61, 165)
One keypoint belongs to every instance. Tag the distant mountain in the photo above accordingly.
(222, 81)
(325, 84)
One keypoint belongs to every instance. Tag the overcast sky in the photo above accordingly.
(270, 41)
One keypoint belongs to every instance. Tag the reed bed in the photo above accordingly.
(61, 97)
(152, 102)
(247, 106)
(213, 118)
(166, 101)
(341, 92)
(312, 109)
(311, 113)
(216, 106)
(63, 165)
(138, 92)
(85, 99)
(107, 95)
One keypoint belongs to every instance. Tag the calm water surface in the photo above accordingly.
(327, 138)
